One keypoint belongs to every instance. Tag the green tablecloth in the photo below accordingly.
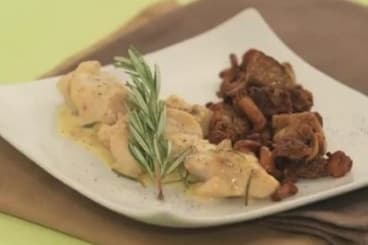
(35, 35)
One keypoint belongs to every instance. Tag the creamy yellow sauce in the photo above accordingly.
(69, 127)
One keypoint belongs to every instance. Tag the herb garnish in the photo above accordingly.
(147, 120)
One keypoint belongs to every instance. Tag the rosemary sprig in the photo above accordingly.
(147, 118)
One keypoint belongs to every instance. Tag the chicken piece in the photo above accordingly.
(92, 94)
(184, 131)
(181, 127)
(115, 138)
(181, 142)
(182, 122)
(203, 115)
(178, 103)
(298, 136)
(199, 112)
(225, 173)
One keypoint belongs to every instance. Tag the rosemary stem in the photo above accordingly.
(147, 120)
(160, 193)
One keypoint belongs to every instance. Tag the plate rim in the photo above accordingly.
(152, 215)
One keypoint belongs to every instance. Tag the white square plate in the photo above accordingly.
(190, 68)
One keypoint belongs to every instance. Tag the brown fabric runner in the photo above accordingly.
(332, 35)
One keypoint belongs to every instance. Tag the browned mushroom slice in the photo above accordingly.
(296, 142)
(283, 120)
(225, 123)
(316, 168)
(265, 70)
(251, 110)
(256, 69)
(300, 134)
(302, 99)
(271, 100)
(264, 137)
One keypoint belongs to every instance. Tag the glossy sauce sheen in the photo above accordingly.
(69, 127)
(87, 136)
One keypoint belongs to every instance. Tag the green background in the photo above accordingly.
(35, 35)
